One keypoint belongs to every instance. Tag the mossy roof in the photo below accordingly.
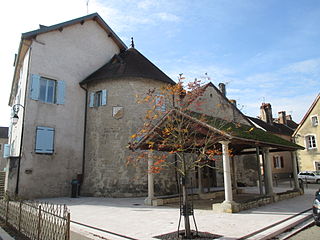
(241, 131)
(236, 133)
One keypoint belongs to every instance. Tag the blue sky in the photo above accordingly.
(265, 51)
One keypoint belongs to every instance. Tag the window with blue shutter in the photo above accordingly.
(104, 97)
(160, 103)
(34, 86)
(91, 100)
(47, 90)
(60, 92)
(6, 150)
(98, 98)
(44, 140)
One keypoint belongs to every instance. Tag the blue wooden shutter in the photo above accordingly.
(6, 150)
(44, 140)
(163, 106)
(160, 103)
(34, 86)
(104, 97)
(60, 92)
(91, 100)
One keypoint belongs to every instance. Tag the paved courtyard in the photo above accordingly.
(131, 218)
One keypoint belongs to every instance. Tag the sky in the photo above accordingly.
(264, 51)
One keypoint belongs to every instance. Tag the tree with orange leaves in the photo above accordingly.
(176, 134)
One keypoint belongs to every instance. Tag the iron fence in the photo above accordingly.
(37, 220)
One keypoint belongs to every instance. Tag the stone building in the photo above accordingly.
(50, 64)
(308, 135)
(73, 92)
(110, 124)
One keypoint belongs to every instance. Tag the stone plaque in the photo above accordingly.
(117, 112)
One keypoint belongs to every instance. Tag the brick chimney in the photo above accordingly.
(222, 88)
(282, 117)
(266, 113)
(289, 117)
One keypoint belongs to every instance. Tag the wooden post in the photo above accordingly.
(259, 170)
(20, 211)
(39, 223)
(7, 212)
(68, 227)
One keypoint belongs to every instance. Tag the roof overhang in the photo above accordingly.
(217, 135)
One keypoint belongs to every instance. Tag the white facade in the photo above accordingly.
(66, 55)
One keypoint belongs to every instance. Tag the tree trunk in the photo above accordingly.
(186, 207)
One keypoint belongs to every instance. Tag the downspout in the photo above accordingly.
(23, 123)
(84, 134)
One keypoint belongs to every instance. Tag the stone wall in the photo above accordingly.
(106, 170)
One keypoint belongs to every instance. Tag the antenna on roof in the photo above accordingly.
(88, 6)
(132, 42)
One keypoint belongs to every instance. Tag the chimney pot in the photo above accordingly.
(282, 117)
(266, 113)
(222, 88)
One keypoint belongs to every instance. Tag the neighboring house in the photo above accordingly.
(308, 134)
(283, 127)
(3, 141)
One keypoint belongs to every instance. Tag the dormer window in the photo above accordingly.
(314, 121)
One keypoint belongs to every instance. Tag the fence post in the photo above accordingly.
(7, 212)
(20, 211)
(68, 227)
(39, 223)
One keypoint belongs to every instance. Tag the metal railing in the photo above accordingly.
(36, 220)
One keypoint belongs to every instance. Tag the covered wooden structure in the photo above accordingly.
(239, 138)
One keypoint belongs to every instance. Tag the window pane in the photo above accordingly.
(97, 99)
(43, 89)
(50, 91)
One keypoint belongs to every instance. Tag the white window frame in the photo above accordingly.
(46, 93)
(314, 120)
(97, 99)
(309, 143)
(278, 162)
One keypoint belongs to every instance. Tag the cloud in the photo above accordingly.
(310, 66)
(167, 17)
(147, 4)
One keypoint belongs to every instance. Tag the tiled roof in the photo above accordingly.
(129, 63)
(4, 132)
(93, 16)
(276, 128)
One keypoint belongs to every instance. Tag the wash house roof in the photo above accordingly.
(240, 136)
(129, 63)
